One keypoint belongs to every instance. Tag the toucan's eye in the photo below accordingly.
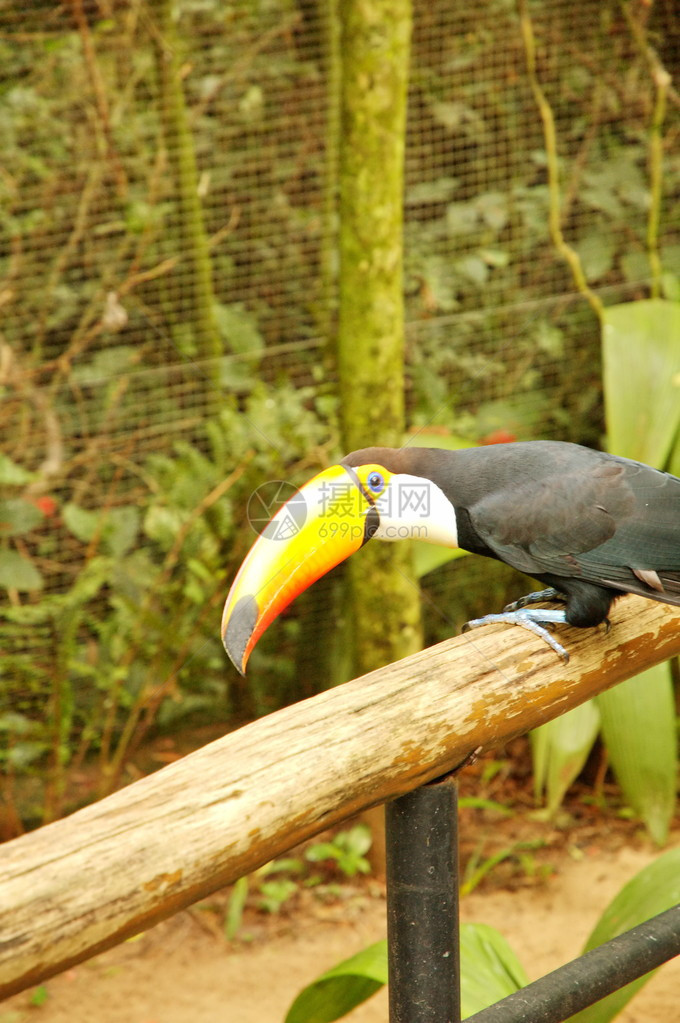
(375, 482)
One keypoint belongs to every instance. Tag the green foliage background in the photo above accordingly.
(161, 356)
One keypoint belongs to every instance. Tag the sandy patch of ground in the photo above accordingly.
(182, 972)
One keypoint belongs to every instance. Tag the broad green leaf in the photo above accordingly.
(641, 354)
(340, 989)
(12, 474)
(18, 516)
(639, 729)
(120, 530)
(473, 269)
(478, 803)
(560, 748)
(670, 285)
(106, 364)
(461, 218)
(21, 755)
(654, 889)
(17, 724)
(162, 524)
(597, 250)
(237, 901)
(81, 522)
(18, 573)
(118, 527)
(238, 326)
(489, 971)
(427, 557)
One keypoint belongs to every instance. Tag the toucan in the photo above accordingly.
(587, 524)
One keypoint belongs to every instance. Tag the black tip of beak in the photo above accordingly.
(239, 629)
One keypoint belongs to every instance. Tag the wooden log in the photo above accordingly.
(82, 884)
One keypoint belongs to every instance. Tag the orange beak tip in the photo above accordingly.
(238, 629)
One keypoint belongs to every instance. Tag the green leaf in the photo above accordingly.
(461, 218)
(439, 190)
(493, 208)
(120, 530)
(162, 524)
(18, 573)
(82, 523)
(479, 803)
(239, 328)
(638, 725)
(549, 339)
(273, 894)
(635, 266)
(452, 114)
(478, 868)
(39, 996)
(17, 724)
(237, 902)
(596, 251)
(654, 889)
(22, 754)
(118, 527)
(641, 353)
(340, 989)
(670, 285)
(18, 516)
(289, 864)
(13, 475)
(473, 269)
(347, 849)
(106, 364)
(560, 748)
(490, 969)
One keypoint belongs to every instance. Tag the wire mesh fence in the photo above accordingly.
(167, 285)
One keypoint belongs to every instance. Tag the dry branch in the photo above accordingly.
(82, 884)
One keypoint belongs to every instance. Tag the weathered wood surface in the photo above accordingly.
(84, 883)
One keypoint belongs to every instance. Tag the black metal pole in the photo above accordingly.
(422, 905)
(593, 976)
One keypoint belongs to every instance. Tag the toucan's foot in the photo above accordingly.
(534, 598)
(531, 620)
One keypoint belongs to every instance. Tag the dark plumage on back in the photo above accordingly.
(587, 523)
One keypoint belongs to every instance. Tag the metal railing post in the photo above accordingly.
(594, 975)
(422, 905)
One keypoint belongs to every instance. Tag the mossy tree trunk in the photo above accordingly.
(374, 41)
(191, 310)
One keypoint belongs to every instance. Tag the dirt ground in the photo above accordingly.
(184, 971)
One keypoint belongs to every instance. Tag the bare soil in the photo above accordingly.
(184, 971)
(545, 895)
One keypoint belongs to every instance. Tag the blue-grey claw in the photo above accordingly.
(530, 620)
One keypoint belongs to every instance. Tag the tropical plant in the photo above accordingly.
(488, 966)
(641, 356)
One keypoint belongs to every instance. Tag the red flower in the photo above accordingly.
(498, 437)
(46, 504)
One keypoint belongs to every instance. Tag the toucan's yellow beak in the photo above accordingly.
(328, 519)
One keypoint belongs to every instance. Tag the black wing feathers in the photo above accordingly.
(598, 520)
